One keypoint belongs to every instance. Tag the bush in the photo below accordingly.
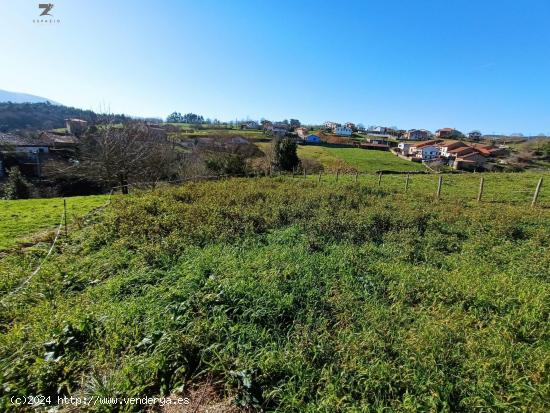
(17, 186)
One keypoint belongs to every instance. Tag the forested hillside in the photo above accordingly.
(45, 116)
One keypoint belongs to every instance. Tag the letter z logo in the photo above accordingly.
(47, 8)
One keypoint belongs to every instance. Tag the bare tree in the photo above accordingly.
(120, 155)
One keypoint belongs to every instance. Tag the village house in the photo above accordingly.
(404, 147)
(28, 152)
(425, 151)
(331, 125)
(278, 128)
(377, 140)
(446, 147)
(469, 162)
(417, 135)
(351, 125)
(76, 126)
(342, 131)
(447, 132)
(301, 132)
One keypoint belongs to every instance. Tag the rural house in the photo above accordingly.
(342, 131)
(331, 125)
(404, 148)
(446, 133)
(301, 132)
(76, 126)
(417, 134)
(469, 162)
(425, 151)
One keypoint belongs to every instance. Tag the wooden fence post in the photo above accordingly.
(379, 178)
(407, 183)
(537, 191)
(337, 175)
(480, 193)
(65, 215)
(439, 185)
(305, 173)
(319, 176)
(356, 176)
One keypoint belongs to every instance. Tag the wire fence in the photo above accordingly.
(489, 188)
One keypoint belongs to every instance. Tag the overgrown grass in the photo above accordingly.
(299, 296)
(22, 218)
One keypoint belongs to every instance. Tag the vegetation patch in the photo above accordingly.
(295, 295)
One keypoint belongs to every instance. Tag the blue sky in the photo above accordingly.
(467, 64)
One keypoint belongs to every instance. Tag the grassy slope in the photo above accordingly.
(372, 161)
(22, 218)
(326, 297)
(362, 160)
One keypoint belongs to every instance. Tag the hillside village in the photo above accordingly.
(192, 145)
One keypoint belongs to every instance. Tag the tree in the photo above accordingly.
(294, 123)
(118, 156)
(192, 118)
(175, 117)
(285, 156)
(17, 186)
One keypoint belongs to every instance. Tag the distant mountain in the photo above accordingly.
(15, 97)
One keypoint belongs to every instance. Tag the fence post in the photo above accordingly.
(407, 183)
(480, 193)
(537, 191)
(439, 185)
(65, 215)
(319, 176)
(337, 175)
(305, 173)
(356, 176)
(379, 178)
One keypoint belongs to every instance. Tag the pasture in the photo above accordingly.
(293, 295)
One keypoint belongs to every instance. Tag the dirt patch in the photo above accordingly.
(203, 398)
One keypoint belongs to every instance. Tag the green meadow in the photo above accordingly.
(20, 219)
(294, 296)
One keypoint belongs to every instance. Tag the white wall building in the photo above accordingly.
(342, 131)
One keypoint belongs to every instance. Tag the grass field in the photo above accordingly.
(368, 161)
(372, 161)
(295, 296)
(22, 218)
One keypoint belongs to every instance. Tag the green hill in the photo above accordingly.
(293, 296)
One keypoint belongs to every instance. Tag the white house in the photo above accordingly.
(428, 152)
(331, 125)
(342, 131)
(404, 148)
